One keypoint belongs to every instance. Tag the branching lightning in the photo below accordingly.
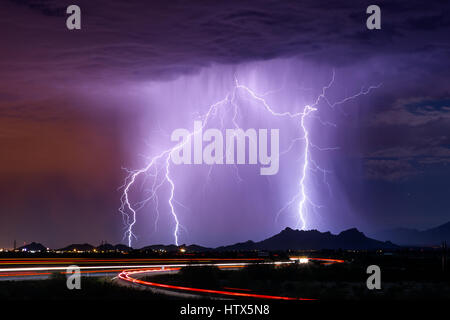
(158, 167)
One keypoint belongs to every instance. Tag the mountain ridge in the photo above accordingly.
(289, 239)
(413, 237)
(286, 239)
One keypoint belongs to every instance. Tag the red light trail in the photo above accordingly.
(125, 275)
(126, 271)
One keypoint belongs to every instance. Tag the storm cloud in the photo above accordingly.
(76, 106)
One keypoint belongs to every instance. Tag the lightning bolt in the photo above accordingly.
(158, 167)
(304, 198)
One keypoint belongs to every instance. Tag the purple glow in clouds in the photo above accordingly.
(241, 108)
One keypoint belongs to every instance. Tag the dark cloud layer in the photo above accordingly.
(142, 39)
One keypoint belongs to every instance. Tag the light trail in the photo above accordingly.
(82, 261)
(239, 289)
(127, 276)
(139, 266)
(325, 260)
(128, 273)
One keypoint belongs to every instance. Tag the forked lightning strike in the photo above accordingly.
(158, 167)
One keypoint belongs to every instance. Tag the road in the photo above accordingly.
(131, 271)
(133, 278)
(43, 268)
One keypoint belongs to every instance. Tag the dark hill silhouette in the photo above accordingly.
(413, 237)
(289, 239)
(110, 247)
(106, 247)
(78, 247)
(122, 247)
(33, 247)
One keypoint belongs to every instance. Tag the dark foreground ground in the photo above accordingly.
(345, 281)
(412, 282)
(55, 289)
(406, 275)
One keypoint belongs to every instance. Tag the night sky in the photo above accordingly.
(76, 107)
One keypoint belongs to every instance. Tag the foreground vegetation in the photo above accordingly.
(405, 275)
(56, 289)
(345, 281)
